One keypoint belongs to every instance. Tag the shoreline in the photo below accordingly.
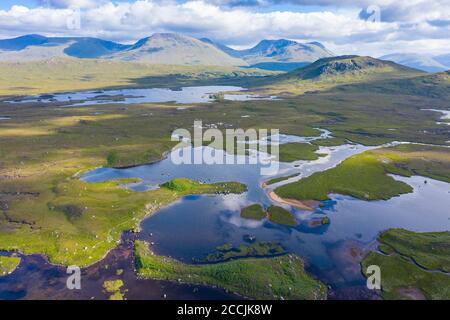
(292, 202)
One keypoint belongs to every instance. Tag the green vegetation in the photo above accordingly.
(186, 185)
(8, 264)
(401, 277)
(112, 159)
(331, 142)
(253, 212)
(78, 223)
(290, 152)
(281, 216)
(66, 74)
(263, 278)
(275, 214)
(114, 288)
(254, 250)
(280, 179)
(429, 250)
(326, 220)
(364, 176)
(329, 73)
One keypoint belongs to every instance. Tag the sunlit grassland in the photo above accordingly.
(290, 152)
(74, 222)
(263, 278)
(401, 277)
(430, 250)
(66, 74)
(364, 176)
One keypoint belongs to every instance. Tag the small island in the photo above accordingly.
(274, 214)
(8, 264)
(281, 277)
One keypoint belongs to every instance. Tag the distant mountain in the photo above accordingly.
(36, 47)
(230, 51)
(171, 48)
(349, 67)
(282, 54)
(285, 51)
(418, 61)
(166, 48)
(443, 59)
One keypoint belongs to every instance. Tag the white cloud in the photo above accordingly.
(404, 23)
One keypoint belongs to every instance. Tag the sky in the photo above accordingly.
(364, 27)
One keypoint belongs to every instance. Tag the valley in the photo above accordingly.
(76, 179)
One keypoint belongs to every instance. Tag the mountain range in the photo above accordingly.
(178, 49)
(420, 61)
(165, 48)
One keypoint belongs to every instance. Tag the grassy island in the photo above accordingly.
(258, 249)
(8, 264)
(281, 216)
(364, 176)
(263, 278)
(254, 212)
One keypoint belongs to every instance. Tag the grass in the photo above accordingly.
(281, 216)
(364, 176)
(325, 220)
(8, 264)
(77, 223)
(253, 212)
(280, 179)
(66, 74)
(254, 250)
(275, 214)
(401, 277)
(186, 185)
(114, 287)
(263, 278)
(429, 250)
(331, 142)
(290, 152)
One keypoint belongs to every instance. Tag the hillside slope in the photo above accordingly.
(170, 48)
(36, 47)
(416, 61)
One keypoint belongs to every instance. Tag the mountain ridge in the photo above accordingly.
(419, 61)
(277, 51)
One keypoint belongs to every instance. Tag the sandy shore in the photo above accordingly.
(291, 202)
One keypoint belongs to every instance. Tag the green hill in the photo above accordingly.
(327, 73)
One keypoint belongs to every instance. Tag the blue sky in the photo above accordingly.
(344, 26)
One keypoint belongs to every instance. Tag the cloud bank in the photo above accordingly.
(406, 26)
